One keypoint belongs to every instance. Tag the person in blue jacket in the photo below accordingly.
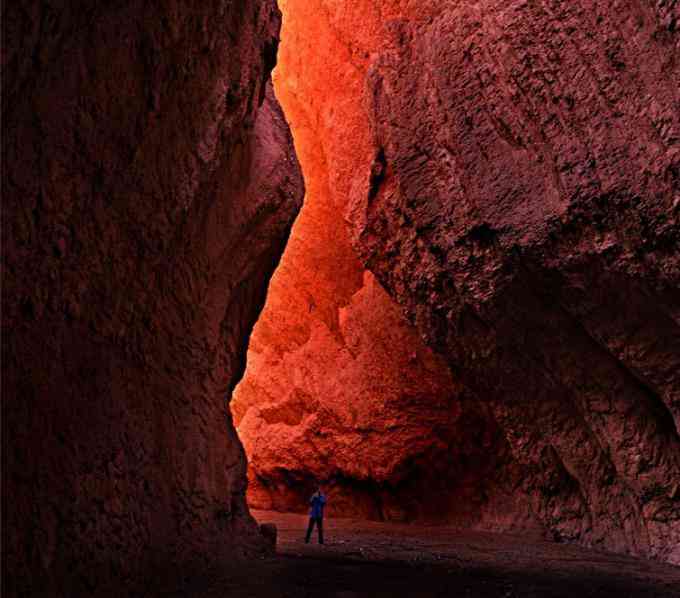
(317, 502)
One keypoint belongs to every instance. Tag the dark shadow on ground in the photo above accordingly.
(378, 560)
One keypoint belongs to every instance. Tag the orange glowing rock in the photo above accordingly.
(339, 387)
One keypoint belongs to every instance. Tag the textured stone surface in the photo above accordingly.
(526, 215)
(366, 409)
(339, 388)
(510, 172)
(144, 209)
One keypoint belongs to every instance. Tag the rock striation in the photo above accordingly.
(149, 184)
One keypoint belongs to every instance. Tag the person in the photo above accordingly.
(317, 502)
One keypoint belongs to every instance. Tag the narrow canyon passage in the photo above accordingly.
(339, 386)
(473, 322)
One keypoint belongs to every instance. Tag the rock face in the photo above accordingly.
(523, 206)
(510, 171)
(339, 387)
(149, 185)
(364, 408)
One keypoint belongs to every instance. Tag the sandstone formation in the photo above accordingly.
(510, 174)
(524, 208)
(364, 408)
(507, 172)
(339, 388)
(149, 183)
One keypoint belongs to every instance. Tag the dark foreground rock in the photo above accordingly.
(149, 183)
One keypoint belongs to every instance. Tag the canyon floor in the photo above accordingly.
(389, 560)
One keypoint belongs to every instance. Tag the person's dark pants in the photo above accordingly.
(319, 526)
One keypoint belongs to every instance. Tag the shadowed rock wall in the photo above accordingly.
(525, 212)
(149, 183)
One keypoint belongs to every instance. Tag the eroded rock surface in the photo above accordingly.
(146, 200)
(526, 214)
(510, 172)
(339, 387)
(369, 411)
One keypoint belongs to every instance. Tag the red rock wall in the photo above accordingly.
(364, 408)
(526, 214)
(339, 387)
(510, 173)
(144, 209)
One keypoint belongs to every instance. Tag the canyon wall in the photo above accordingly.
(509, 172)
(523, 206)
(149, 184)
(365, 409)
(339, 387)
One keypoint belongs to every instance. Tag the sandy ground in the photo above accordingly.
(362, 559)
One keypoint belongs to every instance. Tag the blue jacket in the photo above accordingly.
(317, 501)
